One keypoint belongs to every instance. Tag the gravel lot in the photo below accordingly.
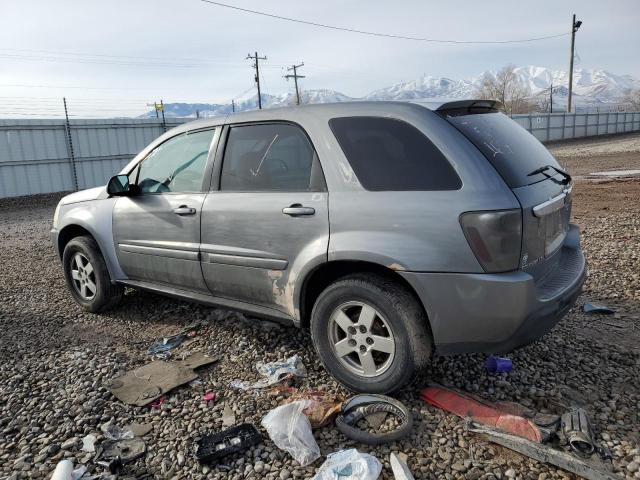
(54, 359)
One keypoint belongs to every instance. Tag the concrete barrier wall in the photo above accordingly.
(44, 156)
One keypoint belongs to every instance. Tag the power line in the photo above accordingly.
(378, 34)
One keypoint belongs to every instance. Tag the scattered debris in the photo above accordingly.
(228, 418)
(64, 471)
(594, 308)
(126, 450)
(362, 406)
(158, 403)
(209, 397)
(322, 408)
(169, 343)
(349, 465)
(145, 384)
(289, 428)
(498, 364)
(400, 468)
(88, 443)
(617, 173)
(485, 413)
(575, 432)
(211, 448)
(114, 432)
(588, 469)
(273, 372)
(140, 429)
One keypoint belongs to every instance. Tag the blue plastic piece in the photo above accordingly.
(498, 364)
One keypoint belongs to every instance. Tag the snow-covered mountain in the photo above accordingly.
(592, 88)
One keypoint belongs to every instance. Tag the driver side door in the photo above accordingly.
(157, 232)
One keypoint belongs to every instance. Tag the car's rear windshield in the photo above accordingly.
(513, 151)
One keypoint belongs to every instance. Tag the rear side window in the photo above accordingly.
(513, 151)
(389, 154)
(269, 157)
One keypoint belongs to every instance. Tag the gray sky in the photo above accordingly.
(192, 51)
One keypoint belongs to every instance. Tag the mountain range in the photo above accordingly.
(592, 88)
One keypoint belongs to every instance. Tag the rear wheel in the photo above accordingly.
(371, 333)
(87, 276)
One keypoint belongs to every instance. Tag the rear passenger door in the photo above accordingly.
(267, 221)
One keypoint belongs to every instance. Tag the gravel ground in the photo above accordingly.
(582, 157)
(54, 359)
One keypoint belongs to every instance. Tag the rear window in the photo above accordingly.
(512, 150)
(392, 155)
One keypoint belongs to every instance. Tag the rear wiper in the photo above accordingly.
(543, 170)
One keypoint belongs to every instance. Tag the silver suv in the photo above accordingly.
(390, 230)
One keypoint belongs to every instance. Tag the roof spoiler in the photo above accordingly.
(470, 106)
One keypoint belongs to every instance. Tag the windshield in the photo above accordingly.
(513, 151)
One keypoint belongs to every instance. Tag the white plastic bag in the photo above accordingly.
(349, 465)
(289, 428)
(272, 373)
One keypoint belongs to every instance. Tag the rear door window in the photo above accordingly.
(391, 155)
(270, 157)
(513, 151)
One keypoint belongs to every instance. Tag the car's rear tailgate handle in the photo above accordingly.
(183, 210)
(297, 210)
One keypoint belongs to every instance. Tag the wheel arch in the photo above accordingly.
(73, 230)
(325, 274)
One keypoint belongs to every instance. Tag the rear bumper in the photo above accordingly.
(496, 313)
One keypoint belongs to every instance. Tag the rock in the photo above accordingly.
(633, 467)
(284, 474)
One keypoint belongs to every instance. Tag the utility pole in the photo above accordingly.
(256, 58)
(551, 98)
(233, 106)
(295, 77)
(575, 25)
(72, 157)
(164, 123)
(197, 113)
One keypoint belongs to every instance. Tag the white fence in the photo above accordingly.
(43, 156)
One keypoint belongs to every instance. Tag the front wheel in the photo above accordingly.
(371, 333)
(87, 276)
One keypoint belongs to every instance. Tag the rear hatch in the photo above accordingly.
(534, 176)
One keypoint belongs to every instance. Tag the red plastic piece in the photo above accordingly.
(209, 396)
(485, 413)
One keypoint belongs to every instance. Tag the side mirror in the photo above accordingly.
(119, 186)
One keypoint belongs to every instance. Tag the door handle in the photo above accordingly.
(297, 209)
(183, 210)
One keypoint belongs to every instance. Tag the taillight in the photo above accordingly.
(495, 238)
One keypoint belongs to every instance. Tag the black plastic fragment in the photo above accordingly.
(211, 448)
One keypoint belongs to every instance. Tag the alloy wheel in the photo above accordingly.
(83, 276)
(361, 339)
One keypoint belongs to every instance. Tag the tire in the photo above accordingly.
(399, 329)
(82, 259)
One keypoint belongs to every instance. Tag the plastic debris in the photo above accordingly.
(273, 372)
(211, 448)
(145, 384)
(483, 412)
(498, 364)
(399, 467)
(323, 407)
(289, 428)
(114, 432)
(126, 450)
(64, 471)
(209, 397)
(88, 443)
(165, 344)
(158, 403)
(349, 465)
(594, 308)
(228, 418)
(361, 407)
